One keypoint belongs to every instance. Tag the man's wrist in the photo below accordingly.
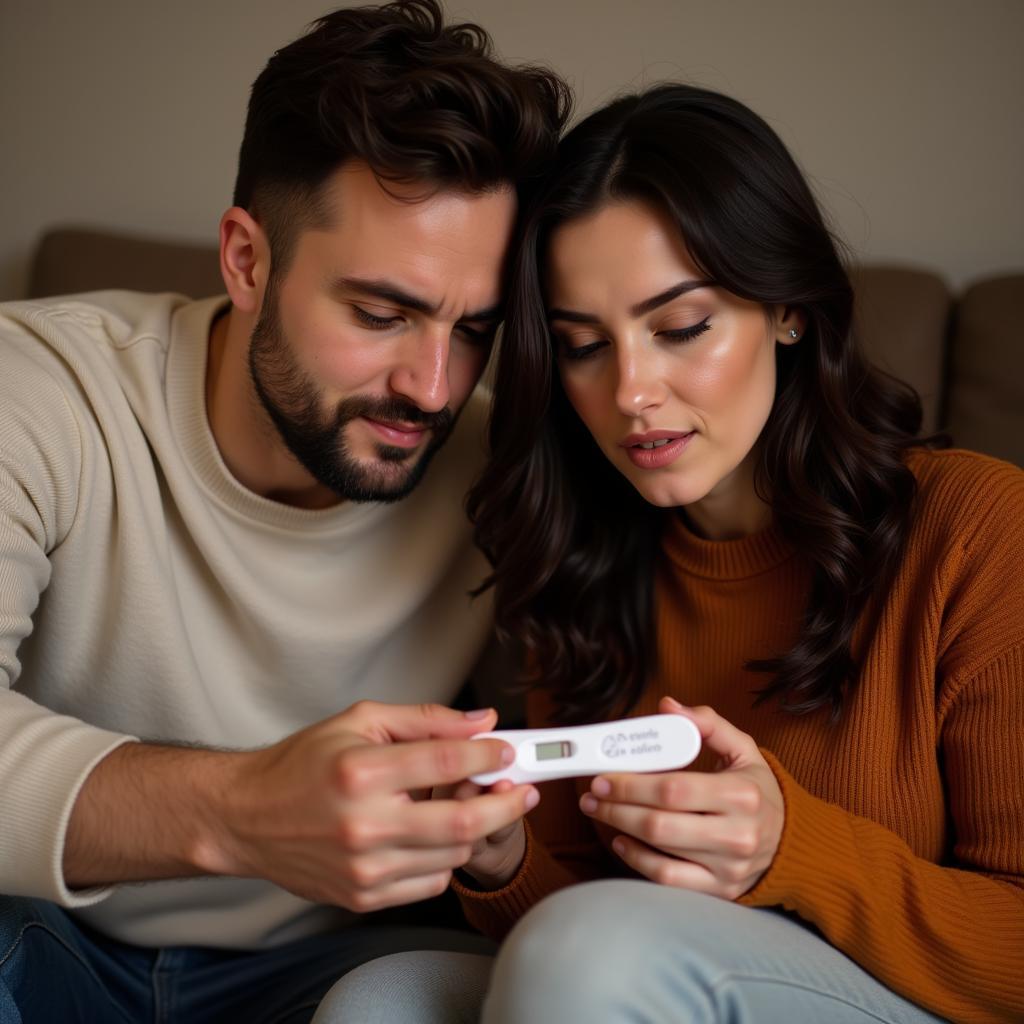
(215, 845)
(149, 812)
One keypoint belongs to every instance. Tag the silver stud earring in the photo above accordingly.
(793, 334)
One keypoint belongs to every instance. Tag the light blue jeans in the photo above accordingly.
(54, 971)
(628, 951)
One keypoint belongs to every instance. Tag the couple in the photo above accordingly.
(222, 522)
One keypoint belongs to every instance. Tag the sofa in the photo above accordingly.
(962, 351)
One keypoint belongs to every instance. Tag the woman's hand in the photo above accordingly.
(711, 832)
(496, 858)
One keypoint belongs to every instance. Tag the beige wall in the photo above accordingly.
(907, 115)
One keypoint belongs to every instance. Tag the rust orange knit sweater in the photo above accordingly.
(904, 833)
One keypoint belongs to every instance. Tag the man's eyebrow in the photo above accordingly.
(573, 316)
(392, 293)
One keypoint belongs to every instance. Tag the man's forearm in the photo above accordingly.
(323, 813)
(149, 812)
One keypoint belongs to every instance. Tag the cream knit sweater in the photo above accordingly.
(145, 593)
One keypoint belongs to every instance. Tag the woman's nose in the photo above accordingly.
(639, 387)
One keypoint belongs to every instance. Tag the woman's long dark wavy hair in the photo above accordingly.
(571, 543)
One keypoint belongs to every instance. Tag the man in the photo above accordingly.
(222, 524)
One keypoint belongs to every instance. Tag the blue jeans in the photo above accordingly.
(54, 969)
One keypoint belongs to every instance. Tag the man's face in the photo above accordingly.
(369, 346)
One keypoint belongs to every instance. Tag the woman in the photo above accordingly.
(702, 494)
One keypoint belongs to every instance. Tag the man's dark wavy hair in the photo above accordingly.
(572, 544)
(419, 100)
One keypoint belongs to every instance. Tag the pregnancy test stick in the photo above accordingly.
(653, 743)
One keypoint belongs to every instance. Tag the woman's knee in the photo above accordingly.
(586, 923)
(612, 921)
(422, 987)
(574, 953)
(622, 943)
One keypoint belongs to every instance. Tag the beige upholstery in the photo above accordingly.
(71, 260)
(986, 394)
(965, 357)
(902, 318)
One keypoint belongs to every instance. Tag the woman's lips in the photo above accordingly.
(667, 447)
(396, 434)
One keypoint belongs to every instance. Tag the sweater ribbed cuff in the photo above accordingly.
(46, 759)
(815, 834)
(494, 912)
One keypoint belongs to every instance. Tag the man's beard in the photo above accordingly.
(316, 437)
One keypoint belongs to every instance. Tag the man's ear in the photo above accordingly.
(790, 324)
(244, 259)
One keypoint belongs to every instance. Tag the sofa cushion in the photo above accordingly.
(986, 395)
(70, 260)
(901, 321)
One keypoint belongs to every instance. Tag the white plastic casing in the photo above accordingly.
(653, 743)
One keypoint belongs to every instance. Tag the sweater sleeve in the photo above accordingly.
(44, 757)
(949, 936)
(950, 939)
(570, 851)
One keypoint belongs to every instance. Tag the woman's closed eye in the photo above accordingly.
(582, 348)
(477, 335)
(687, 333)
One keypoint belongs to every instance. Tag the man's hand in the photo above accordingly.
(326, 813)
(715, 833)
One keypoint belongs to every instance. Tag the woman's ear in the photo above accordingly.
(244, 259)
(790, 324)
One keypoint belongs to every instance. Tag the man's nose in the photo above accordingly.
(421, 373)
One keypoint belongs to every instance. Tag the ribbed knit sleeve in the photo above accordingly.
(562, 848)
(44, 757)
(494, 912)
(949, 936)
(951, 940)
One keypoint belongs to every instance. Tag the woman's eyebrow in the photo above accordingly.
(574, 316)
(667, 296)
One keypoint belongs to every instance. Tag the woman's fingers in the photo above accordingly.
(696, 792)
(732, 745)
(669, 870)
(663, 869)
(670, 831)
(707, 873)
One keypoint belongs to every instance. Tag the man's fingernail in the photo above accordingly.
(478, 713)
(600, 787)
(674, 703)
(508, 754)
(532, 798)
(588, 804)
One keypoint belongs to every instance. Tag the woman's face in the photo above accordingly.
(673, 377)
